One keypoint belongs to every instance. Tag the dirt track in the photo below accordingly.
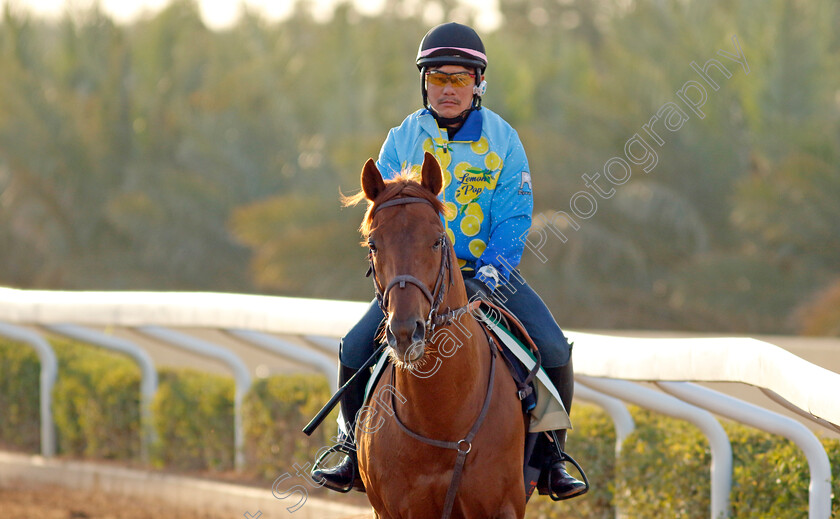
(54, 502)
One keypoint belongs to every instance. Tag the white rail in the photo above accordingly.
(148, 373)
(819, 495)
(721, 466)
(799, 384)
(240, 372)
(49, 372)
(721, 359)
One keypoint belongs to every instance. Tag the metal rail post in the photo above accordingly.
(819, 490)
(241, 376)
(148, 373)
(49, 373)
(721, 469)
(291, 351)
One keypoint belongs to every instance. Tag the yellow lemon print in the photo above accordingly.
(461, 170)
(480, 146)
(416, 171)
(470, 225)
(494, 179)
(451, 235)
(447, 177)
(444, 159)
(475, 210)
(450, 211)
(477, 248)
(461, 263)
(428, 145)
(492, 161)
(464, 195)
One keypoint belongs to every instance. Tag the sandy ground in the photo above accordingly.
(53, 502)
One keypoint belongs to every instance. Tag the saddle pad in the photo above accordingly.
(548, 415)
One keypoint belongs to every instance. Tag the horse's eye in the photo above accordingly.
(438, 243)
(372, 246)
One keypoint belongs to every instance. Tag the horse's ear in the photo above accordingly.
(372, 183)
(431, 174)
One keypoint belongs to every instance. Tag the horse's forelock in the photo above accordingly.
(403, 185)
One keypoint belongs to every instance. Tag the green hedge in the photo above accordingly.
(96, 402)
(276, 410)
(592, 444)
(663, 470)
(193, 418)
(97, 412)
(665, 464)
(20, 401)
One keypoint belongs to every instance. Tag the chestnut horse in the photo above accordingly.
(449, 432)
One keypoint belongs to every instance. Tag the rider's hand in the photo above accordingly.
(476, 289)
(489, 276)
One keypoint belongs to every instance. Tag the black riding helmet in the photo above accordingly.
(451, 44)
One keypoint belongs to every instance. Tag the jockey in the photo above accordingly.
(487, 187)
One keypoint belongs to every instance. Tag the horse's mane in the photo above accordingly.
(403, 185)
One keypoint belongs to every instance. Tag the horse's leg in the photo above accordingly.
(509, 511)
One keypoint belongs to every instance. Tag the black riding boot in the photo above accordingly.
(345, 476)
(558, 483)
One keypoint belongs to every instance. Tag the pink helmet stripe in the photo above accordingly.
(471, 52)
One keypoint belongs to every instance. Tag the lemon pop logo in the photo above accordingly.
(473, 181)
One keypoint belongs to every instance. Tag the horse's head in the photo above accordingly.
(410, 256)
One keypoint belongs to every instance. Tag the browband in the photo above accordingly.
(401, 201)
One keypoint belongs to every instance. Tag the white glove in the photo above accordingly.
(489, 276)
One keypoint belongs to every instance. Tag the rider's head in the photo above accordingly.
(451, 60)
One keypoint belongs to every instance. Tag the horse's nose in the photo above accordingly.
(405, 332)
(419, 334)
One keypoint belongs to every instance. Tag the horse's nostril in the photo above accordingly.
(390, 337)
(419, 331)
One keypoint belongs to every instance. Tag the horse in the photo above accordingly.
(449, 428)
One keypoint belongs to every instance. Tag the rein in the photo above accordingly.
(435, 296)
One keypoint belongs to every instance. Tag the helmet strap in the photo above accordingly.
(446, 122)
(423, 89)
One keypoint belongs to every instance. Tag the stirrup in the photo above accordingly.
(562, 456)
(343, 449)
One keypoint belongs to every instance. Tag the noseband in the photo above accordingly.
(435, 297)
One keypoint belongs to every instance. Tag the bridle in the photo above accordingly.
(435, 296)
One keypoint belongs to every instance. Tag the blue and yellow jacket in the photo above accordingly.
(486, 178)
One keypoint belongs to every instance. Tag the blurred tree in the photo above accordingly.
(821, 315)
(163, 155)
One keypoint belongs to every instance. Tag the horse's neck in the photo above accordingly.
(451, 386)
